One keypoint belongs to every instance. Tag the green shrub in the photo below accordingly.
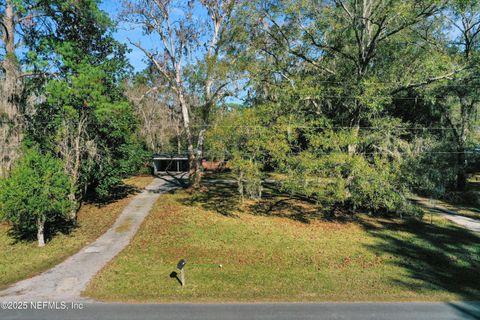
(249, 177)
(430, 171)
(34, 196)
(351, 182)
(375, 186)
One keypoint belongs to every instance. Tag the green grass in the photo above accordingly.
(474, 182)
(20, 260)
(283, 250)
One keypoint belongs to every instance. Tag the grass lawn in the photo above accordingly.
(24, 259)
(284, 250)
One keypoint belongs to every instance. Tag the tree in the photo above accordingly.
(11, 15)
(460, 99)
(22, 23)
(330, 81)
(178, 44)
(355, 47)
(35, 193)
(82, 115)
(246, 139)
(159, 122)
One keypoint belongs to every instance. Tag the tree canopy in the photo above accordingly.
(353, 105)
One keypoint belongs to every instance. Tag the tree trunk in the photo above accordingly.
(198, 169)
(10, 62)
(179, 141)
(40, 231)
(352, 147)
(76, 169)
(461, 170)
(10, 122)
(194, 175)
(73, 198)
(197, 174)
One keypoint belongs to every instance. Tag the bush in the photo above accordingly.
(249, 177)
(375, 186)
(35, 195)
(349, 182)
(469, 197)
(121, 154)
(430, 171)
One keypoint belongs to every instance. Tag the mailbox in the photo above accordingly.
(181, 264)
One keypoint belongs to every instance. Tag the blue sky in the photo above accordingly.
(136, 57)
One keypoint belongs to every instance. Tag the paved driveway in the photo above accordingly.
(469, 223)
(68, 279)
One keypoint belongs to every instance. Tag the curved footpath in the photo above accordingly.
(466, 222)
(67, 280)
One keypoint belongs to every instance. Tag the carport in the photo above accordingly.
(163, 163)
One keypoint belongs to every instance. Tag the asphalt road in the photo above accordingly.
(390, 311)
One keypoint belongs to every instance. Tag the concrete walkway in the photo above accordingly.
(469, 223)
(67, 280)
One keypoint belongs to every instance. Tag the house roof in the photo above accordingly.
(169, 156)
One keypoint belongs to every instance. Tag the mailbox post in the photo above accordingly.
(180, 266)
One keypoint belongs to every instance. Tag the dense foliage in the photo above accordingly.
(353, 105)
(356, 103)
(70, 98)
(34, 198)
(85, 118)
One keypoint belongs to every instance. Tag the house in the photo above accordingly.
(163, 162)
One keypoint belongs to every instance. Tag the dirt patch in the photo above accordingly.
(125, 226)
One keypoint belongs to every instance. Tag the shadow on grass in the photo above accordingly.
(285, 208)
(469, 208)
(179, 179)
(436, 257)
(275, 203)
(474, 185)
(174, 275)
(116, 193)
(280, 204)
(219, 196)
(26, 231)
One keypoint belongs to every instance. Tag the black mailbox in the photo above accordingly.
(181, 264)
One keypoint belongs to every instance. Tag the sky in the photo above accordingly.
(136, 57)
